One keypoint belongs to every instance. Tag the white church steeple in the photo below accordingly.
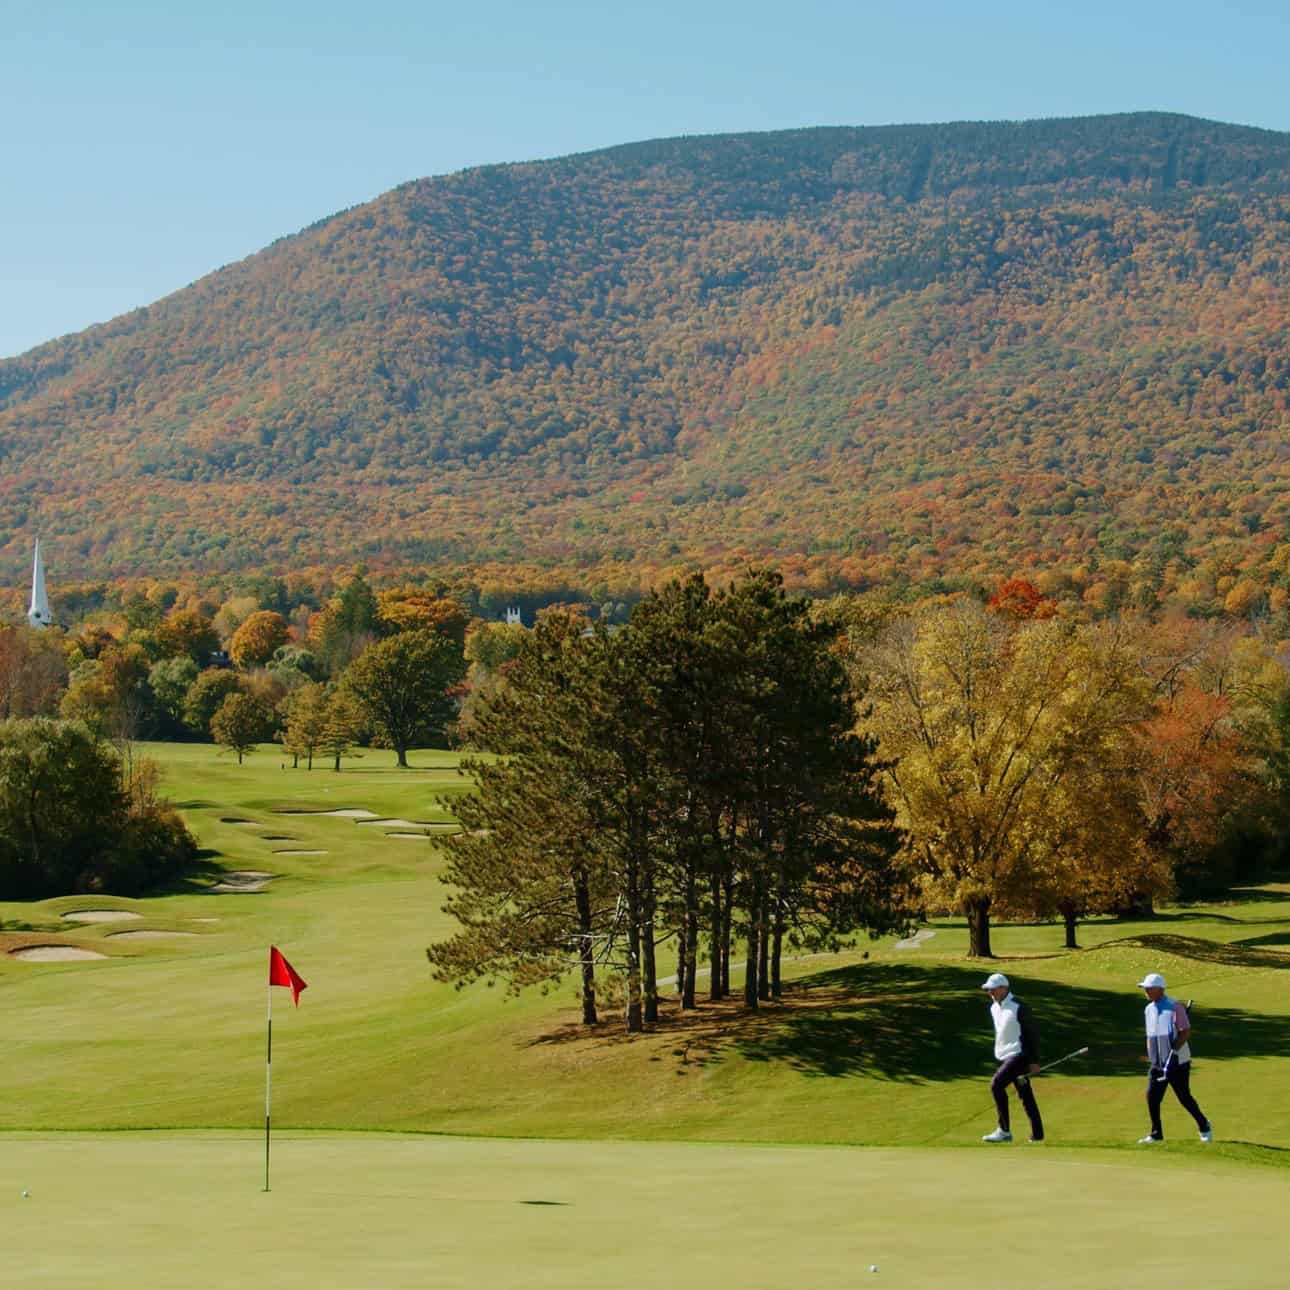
(38, 615)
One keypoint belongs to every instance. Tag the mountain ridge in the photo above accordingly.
(640, 354)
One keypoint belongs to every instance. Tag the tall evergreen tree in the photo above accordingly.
(529, 873)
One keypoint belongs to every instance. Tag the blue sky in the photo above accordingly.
(142, 145)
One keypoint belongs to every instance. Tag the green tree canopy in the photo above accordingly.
(204, 697)
(66, 821)
(240, 723)
(401, 685)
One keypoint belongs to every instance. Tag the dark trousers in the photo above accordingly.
(1177, 1076)
(1007, 1074)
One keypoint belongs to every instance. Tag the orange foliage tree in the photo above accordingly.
(255, 640)
(1018, 598)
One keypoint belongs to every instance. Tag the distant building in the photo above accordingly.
(513, 616)
(38, 615)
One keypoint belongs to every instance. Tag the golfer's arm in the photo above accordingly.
(1181, 1039)
(1029, 1034)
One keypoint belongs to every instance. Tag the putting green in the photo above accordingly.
(390, 1211)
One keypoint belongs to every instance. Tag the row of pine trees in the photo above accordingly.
(695, 778)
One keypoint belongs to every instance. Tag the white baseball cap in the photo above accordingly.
(996, 981)
(1152, 979)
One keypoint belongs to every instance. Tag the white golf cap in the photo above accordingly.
(1152, 979)
(996, 981)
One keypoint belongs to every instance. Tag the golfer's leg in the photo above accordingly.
(1155, 1095)
(1180, 1082)
(999, 1087)
(1026, 1092)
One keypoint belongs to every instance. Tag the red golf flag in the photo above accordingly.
(282, 973)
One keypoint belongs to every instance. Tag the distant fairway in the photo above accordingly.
(890, 1052)
(388, 1212)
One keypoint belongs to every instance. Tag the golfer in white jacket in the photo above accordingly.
(1016, 1046)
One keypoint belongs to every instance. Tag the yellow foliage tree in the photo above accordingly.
(408, 609)
(983, 720)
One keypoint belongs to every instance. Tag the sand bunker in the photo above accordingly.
(300, 853)
(100, 916)
(55, 954)
(203, 920)
(147, 936)
(350, 812)
(913, 942)
(361, 816)
(409, 824)
(233, 819)
(240, 880)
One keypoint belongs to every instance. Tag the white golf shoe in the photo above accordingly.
(999, 1135)
(1149, 1138)
(1207, 1133)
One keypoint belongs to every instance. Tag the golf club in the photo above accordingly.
(1079, 1052)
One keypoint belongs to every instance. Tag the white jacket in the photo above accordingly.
(1010, 1037)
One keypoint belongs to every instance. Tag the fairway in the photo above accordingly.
(426, 1136)
(118, 1211)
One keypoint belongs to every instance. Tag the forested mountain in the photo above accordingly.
(910, 353)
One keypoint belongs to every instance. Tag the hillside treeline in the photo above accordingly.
(744, 768)
(366, 666)
(872, 356)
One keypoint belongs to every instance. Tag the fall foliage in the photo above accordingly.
(911, 356)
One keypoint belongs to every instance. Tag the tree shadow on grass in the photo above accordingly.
(1236, 954)
(197, 877)
(1265, 895)
(926, 1024)
(1272, 938)
(909, 1024)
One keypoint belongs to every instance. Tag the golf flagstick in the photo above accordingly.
(268, 1076)
(280, 973)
